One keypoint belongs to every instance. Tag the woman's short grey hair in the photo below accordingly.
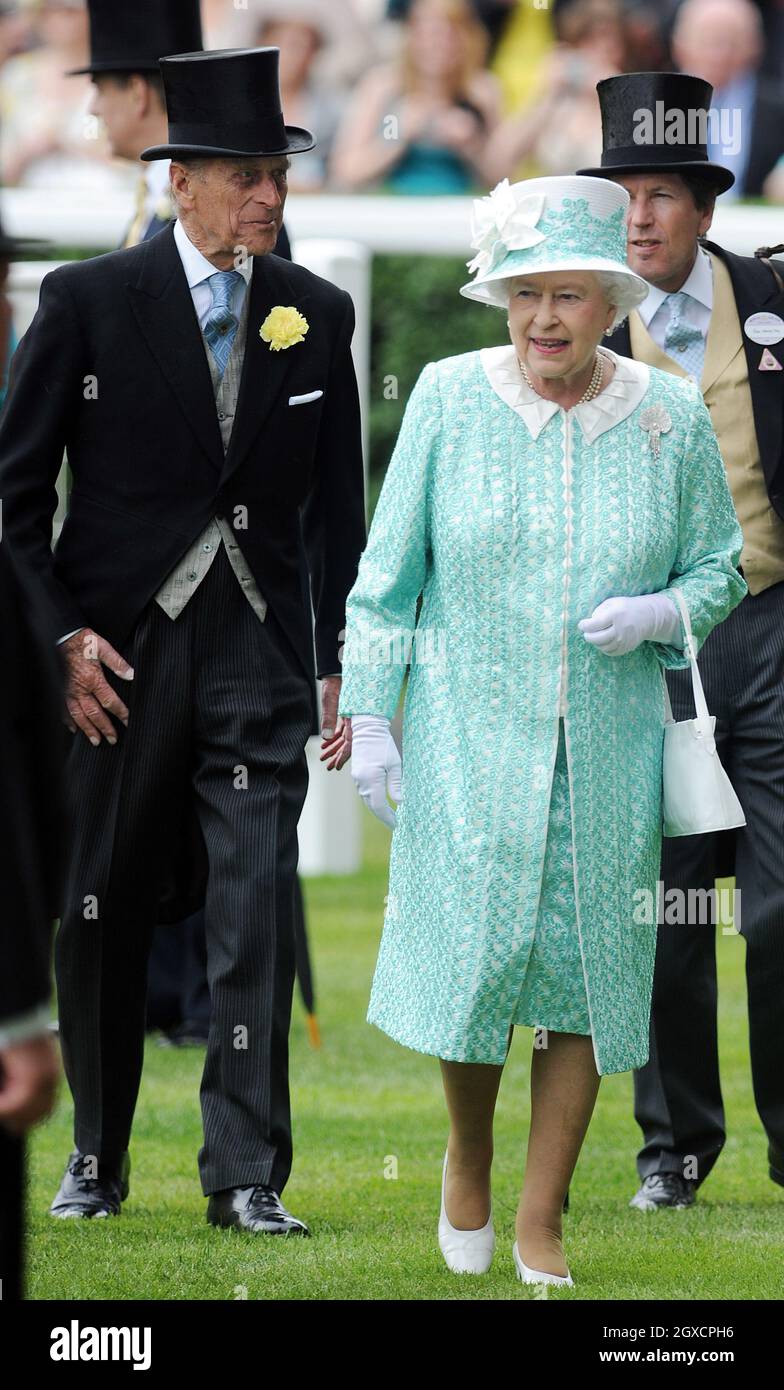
(620, 292)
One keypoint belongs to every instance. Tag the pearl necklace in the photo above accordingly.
(594, 385)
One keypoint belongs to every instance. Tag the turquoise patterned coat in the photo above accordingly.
(513, 519)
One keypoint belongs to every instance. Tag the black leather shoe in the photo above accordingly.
(81, 1194)
(664, 1190)
(256, 1208)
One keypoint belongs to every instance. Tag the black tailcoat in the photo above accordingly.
(113, 369)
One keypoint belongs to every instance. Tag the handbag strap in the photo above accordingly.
(700, 703)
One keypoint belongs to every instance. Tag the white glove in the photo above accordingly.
(376, 765)
(618, 625)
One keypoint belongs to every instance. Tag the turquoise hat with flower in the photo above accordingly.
(567, 222)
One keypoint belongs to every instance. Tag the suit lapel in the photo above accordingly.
(162, 304)
(263, 369)
(724, 339)
(755, 291)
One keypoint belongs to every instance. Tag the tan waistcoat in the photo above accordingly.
(725, 389)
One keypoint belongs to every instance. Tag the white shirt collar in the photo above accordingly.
(614, 403)
(698, 283)
(196, 266)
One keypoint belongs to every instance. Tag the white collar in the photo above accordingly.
(196, 266)
(698, 283)
(613, 404)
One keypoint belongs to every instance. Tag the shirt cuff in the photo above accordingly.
(25, 1027)
(60, 640)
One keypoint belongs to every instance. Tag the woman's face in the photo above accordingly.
(556, 320)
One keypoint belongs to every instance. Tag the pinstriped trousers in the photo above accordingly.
(678, 1101)
(219, 709)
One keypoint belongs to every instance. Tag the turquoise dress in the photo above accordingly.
(525, 859)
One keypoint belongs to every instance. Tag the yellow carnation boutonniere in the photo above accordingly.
(283, 326)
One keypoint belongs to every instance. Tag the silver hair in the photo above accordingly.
(620, 292)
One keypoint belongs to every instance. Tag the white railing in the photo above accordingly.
(405, 225)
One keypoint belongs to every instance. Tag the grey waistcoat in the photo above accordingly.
(185, 578)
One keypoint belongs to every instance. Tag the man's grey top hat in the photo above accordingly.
(131, 35)
(672, 107)
(227, 103)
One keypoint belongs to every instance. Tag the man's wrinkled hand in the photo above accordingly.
(89, 698)
(335, 730)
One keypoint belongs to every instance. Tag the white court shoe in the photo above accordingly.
(537, 1276)
(466, 1252)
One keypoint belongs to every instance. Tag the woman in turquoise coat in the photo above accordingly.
(541, 499)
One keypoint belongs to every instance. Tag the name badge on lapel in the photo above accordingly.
(764, 328)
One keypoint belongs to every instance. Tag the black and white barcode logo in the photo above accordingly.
(75, 1343)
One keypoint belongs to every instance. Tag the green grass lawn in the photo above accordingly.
(364, 1106)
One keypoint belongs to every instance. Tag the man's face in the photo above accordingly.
(231, 203)
(663, 224)
(123, 107)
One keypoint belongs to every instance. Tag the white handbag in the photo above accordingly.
(697, 795)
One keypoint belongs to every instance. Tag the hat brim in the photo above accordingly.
(489, 289)
(118, 65)
(299, 140)
(723, 178)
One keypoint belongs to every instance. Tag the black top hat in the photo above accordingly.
(131, 37)
(636, 107)
(226, 102)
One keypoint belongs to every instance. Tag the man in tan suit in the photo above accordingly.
(719, 318)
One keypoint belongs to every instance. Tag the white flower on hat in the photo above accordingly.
(500, 223)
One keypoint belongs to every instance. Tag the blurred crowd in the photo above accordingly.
(417, 96)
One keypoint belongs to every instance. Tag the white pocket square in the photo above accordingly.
(302, 400)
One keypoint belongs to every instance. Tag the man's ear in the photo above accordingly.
(706, 219)
(179, 179)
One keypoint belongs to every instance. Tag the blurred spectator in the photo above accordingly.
(722, 41)
(772, 64)
(226, 25)
(648, 25)
(302, 29)
(421, 123)
(15, 32)
(47, 137)
(522, 46)
(562, 130)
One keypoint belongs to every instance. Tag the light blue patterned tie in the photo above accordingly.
(220, 325)
(683, 342)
